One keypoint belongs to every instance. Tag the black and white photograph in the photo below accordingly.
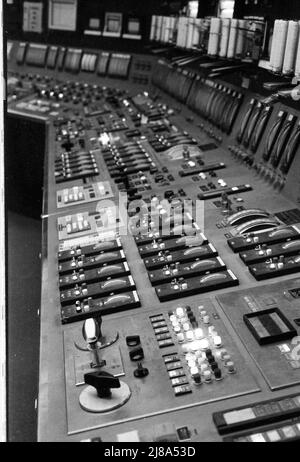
(150, 224)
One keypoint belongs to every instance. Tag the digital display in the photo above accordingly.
(269, 326)
(113, 24)
(94, 23)
(62, 14)
(133, 26)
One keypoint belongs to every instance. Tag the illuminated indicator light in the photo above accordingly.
(204, 344)
(274, 436)
(258, 438)
(217, 341)
(189, 356)
(199, 334)
(194, 371)
(180, 337)
(203, 368)
(191, 363)
(207, 376)
(242, 415)
(201, 361)
(289, 432)
(190, 335)
(180, 312)
(186, 326)
(206, 319)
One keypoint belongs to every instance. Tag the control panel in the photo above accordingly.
(172, 230)
(176, 359)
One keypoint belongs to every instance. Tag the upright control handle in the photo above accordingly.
(91, 331)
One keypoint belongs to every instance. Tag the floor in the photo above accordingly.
(24, 287)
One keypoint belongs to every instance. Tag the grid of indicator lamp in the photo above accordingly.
(74, 194)
(77, 223)
(202, 359)
(80, 193)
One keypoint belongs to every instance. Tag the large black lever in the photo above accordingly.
(103, 382)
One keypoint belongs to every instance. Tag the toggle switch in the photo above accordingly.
(218, 374)
(197, 378)
(141, 372)
(214, 365)
(211, 359)
(230, 367)
(208, 353)
(207, 376)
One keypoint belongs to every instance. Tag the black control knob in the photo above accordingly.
(214, 365)
(218, 374)
(67, 145)
(211, 359)
(141, 372)
(103, 382)
(197, 379)
(169, 194)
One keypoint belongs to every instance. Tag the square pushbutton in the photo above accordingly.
(184, 434)
(182, 390)
(258, 438)
(289, 432)
(274, 436)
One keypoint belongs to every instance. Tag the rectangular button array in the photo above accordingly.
(95, 278)
(161, 331)
(284, 432)
(267, 412)
(174, 263)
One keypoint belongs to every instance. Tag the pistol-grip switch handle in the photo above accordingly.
(103, 382)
